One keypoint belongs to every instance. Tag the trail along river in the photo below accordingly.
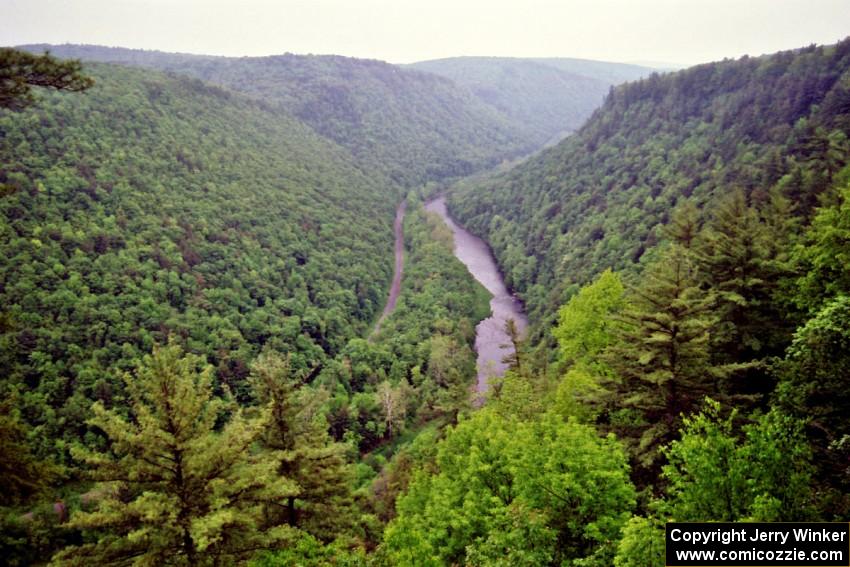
(395, 287)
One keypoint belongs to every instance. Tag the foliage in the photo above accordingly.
(660, 356)
(411, 126)
(584, 328)
(824, 258)
(306, 551)
(597, 199)
(157, 206)
(256, 232)
(22, 474)
(173, 489)
(642, 544)
(735, 253)
(424, 350)
(546, 100)
(813, 386)
(297, 433)
(21, 71)
(507, 490)
(713, 475)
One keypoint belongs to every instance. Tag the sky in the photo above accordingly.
(679, 32)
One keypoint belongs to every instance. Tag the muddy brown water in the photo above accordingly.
(491, 341)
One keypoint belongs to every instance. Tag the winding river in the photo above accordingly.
(491, 341)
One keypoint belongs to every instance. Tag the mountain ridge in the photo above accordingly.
(557, 218)
(552, 96)
(415, 127)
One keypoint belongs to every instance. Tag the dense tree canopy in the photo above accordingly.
(411, 126)
(599, 199)
(509, 492)
(175, 489)
(704, 380)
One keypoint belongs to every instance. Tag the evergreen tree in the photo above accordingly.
(322, 502)
(684, 225)
(20, 71)
(22, 474)
(661, 355)
(737, 262)
(175, 488)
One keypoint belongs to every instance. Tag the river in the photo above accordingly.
(491, 341)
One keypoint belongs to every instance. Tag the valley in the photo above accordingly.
(315, 310)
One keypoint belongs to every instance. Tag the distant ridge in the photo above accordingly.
(551, 96)
(415, 127)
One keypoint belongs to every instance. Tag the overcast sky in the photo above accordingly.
(401, 31)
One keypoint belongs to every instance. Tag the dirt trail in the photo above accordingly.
(395, 288)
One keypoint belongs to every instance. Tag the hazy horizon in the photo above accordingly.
(666, 32)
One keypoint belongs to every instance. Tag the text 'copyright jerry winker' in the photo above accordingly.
(758, 544)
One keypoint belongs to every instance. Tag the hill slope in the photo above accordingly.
(598, 199)
(551, 96)
(153, 206)
(612, 73)
(412, 125)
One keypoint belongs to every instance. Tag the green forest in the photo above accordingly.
(197, 249)
(413, 127)
(547, 96)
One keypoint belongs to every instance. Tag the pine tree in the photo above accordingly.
(22, 474)
(735, 258)
(177, 488)
(684, 225)
(20, 71)
(661, 355)
(298, 433)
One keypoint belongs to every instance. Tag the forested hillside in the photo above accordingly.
(599, 199)
(156, 206)
(551, 97)
(176, 248)
(549, 101)
(703, 381)
(413, 126)
(192, 272)
(612, 73)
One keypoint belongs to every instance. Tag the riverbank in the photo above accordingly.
(492, 342)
